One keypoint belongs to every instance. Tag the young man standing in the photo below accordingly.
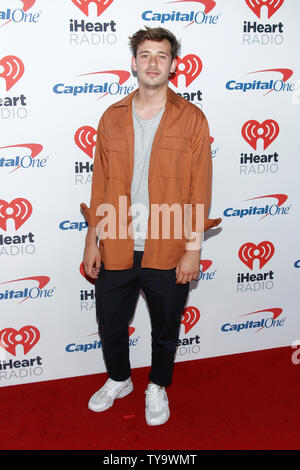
(153, 148)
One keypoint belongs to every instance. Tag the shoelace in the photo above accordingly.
(155, 395)
(109, 387)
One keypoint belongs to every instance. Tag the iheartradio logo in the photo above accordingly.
(271, 5)
(190, 67)
(27, 336)
(85, 139)
(268, 131)
(190, 317)
(250, 252)
(18, 209)
(11, 69)
(83, 5)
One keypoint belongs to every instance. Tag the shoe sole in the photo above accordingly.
(122, 394)
(158, 424)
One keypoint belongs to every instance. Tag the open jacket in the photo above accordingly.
(180, 171)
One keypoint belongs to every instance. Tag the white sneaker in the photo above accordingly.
(104, 398)
(157, 405)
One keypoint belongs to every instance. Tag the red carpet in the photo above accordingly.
(243, 401)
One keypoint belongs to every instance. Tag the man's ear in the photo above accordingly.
(173, 66)
(133, 64)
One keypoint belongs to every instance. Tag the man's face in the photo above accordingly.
(153, 63)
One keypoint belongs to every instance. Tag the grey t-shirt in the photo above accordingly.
(144, 132)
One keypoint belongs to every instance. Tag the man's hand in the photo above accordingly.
(188, 267)
(91, 257)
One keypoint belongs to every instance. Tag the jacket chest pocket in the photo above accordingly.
(118, 162)
(171, 159)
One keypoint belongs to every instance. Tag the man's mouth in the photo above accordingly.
(152, 72)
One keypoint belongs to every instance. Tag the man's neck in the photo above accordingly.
(151, 97)
(149, 101)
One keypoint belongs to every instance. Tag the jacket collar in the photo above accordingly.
(171, 96)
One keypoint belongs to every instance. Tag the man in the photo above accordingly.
(153, 149)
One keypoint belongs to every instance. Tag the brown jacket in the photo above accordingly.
(180, 171)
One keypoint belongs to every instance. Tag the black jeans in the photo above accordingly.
(117, 293)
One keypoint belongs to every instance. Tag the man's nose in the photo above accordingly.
(153, 61)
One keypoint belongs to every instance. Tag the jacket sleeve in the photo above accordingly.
(201, 183)
(100, 176)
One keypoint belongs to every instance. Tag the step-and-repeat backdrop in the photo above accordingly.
(62, 63)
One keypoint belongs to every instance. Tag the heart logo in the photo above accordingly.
(263, 252)
(191, 316)
(272, 6)
(19, 210)
(13, 69)
(28, 336)
(190, 66)
(252, 131)
(83, 5)
(84, 139)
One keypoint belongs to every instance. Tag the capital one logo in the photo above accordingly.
(85, 139)
(131, 330)
(27, 336)
(262, 252)
(11, 69)
(35, 150)
(276, 312)
(286, 75)
(279, 85)
(18, 209)
(208, 4)
(205, 264)
(271, 322)
(27, 4)
(267, 131)
(123, 76)
(27, 293)
(190, 67)
(83, 5)
(18, 14)
(190, 317)
(104, 89)
(272, 6)
(274, 209)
